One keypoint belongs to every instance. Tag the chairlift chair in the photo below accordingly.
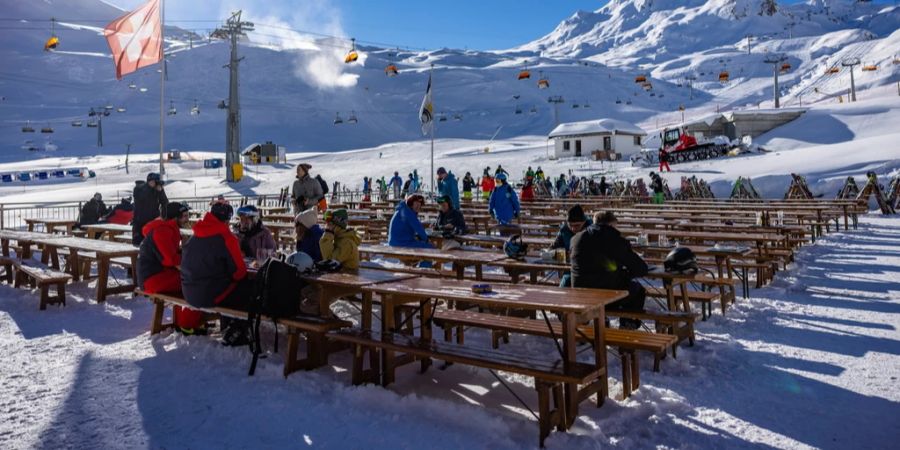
(457, 117)
(785, 68)
(27, 128)
(640, 79)
(524, 74)
(195, 110)
(618, 101)
(105, 113)
(172, 111)
(518, 110)
(132, 86)
(870, 68)
(77, 123)
(337, 119)
(120, 109)
(53, 41)
(543, 83)
(92, 123)
(352, 55)
(352, 118)
(575, 105)
(586, 105)
(534, 109)
(442, 118)
(832, 70)
(143, 89)
(723, 76)
(108, 107)
(47, 130)
(92, 113)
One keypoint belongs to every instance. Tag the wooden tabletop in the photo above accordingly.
(461, 256)
(114, 227)
(515, 296)
(29, 236)
(107, 248)
(357, 278)
(50, 221)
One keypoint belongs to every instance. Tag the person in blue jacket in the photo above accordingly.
(405, 229)
(448, 187)
(504, 203)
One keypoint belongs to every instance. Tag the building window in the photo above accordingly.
(637, 140)
(578, 148)
(607, 143)
(566, 146)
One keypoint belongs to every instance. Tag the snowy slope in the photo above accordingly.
(293, 89)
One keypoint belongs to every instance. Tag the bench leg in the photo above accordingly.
(543, 410)
(635, 371)
(625, 359)
(45, 296)
(290, 355)
(159, 308)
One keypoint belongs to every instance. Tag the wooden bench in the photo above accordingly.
(37, 275)
(705, 298)
(7, 264)
(627, 341)
(549, 376)
(313, 327)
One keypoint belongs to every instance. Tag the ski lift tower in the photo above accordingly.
(776, 61)
(234, 28)
(851, 63)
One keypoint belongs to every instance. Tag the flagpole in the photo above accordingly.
(162, 83)
(431, 77)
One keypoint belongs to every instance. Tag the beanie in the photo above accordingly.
(307, 218)
(222, 211)
(576, 214)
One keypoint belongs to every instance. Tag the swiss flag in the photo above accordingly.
(135, 39)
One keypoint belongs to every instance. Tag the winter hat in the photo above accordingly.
(98, 196)
(441, 171)
(307, 218)
(305, 166)
(338, 217)
(576, 214)
(442, 199)
(222, 211)
(153, 176)
(414, 198)
(175, 210)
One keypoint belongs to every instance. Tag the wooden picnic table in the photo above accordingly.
(459, 258)
(108, 230)
(336, 285)
(25, 239)
(50, 223)
(104, 251)
(572, 306)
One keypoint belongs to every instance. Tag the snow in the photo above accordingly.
(811, 361)
(596, 127)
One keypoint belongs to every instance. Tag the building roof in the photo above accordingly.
(601, 126)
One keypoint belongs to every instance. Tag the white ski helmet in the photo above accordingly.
(301, 261)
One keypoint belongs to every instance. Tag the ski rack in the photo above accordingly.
(798, 189)
(694, 188)
(849, 191)
(743, 189)
(894, 193)
(873, 188)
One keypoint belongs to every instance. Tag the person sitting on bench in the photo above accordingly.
(213, 272)
(159, 263)
(254, 237)
(575, 222)
(308, 233)
(450, 220)
(405, 229)
(92, 211)
(603, 259)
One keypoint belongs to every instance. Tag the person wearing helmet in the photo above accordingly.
(306, 191)
(504, 202)
(92, 211)
(603, 259)
(405, 229)
(308, 234)
(448, 186)
(213, 271)
(252, 234)
(339, 242)
(149, 199)
(159, 262)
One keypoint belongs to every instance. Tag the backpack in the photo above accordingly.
(323, 184)
(277, 295)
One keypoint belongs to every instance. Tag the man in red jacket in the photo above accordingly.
(159, 262)
(213, 272)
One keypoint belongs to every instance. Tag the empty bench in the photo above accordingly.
(39, 276)
(313, 327)
(628, 341)
(549, 376)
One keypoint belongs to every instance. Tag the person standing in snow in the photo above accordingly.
(149, 199)
(664, 160)
(397, 184)
(306, 191)
(656, 184)
(500, 170)
(382, 190)
(367, 189)
(468, 185)
(323, 203)
(448, 186)
(487, 184)
(504, 203)
(604, 187)
(406, 185)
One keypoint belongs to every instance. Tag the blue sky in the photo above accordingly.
(475, 24)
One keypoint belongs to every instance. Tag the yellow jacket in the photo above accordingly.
(342, 246)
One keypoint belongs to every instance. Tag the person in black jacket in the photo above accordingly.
(149, 199)
(450, 220)
(603, 259)
(93, 210)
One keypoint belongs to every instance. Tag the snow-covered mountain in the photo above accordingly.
(293, 89)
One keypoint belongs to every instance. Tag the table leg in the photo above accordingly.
(460, 270)
(102, 277)
(569, 356)
(600, 356)
(5, 245)
(427, 311)
(479, 273)
(366, 324)
(670, 294)
(720, 263)
(30, 226)
(387, 326)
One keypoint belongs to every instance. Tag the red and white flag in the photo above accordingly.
(136, 38)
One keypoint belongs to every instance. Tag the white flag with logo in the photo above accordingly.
(426, 113)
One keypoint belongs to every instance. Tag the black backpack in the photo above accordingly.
(277, 296)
